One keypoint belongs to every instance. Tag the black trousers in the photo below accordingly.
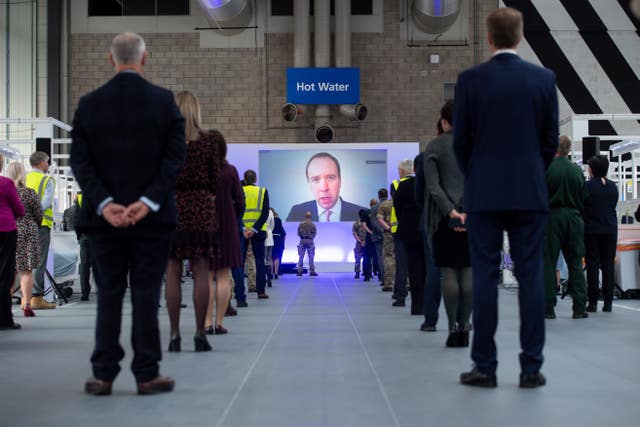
(367, 260)
(600, 253)
(414, 251)
(85, 266)
(142, 258)
(257, 246)
(8, 242)
(526, 238)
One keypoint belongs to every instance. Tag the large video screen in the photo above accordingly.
(332, 185)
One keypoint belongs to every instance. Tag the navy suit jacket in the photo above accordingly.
(505, 134)
(128, 142)
(349, 211)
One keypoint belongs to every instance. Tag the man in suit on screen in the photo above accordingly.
(324, 178)
(506, 134)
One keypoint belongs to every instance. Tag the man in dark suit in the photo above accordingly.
(127, 151)
(506, 134)
(323, 176)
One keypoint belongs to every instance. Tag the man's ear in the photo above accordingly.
(111, 61)
(144, 58)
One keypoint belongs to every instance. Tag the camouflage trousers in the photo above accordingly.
(250, 269)
(358, 253)
(388, 253)
(306, 245)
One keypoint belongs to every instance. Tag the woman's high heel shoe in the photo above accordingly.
(175, 345)
(201, 344)
(28, 312)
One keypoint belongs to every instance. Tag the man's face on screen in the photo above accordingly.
(324, 181)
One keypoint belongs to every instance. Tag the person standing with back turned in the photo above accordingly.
(505, 136)
(127, 151)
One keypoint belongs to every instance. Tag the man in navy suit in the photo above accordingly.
(506, 134)
(323, 176)
(128, 148)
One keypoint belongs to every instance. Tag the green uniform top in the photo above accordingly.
(566, 185)
(358, 230)
(307, 230)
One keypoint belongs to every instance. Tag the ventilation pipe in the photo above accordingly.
(435, 16)
(322, 46)
(228, 13)
(301, 52)
(343, 54)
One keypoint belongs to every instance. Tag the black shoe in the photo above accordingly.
(357, 276)
(550, 313)
(478, 379)
(242, 304)
(463, 338)
(313, 273)
(427, 328)
(209, 330)
(200, 343)
(230, 311)
(607, 307)
(299, 273)
(84, 298)
(269, 284)
(175, 345)
(367, 278)
(532, 380)
(10, 327)
(398, 303)
(453, 339)
(592, 307)
(582, 315)
(275, 276)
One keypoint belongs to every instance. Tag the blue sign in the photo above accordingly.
(323, 85)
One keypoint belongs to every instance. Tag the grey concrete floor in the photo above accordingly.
(328, 351)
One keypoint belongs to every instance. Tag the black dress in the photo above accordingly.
(278, 239)
(196, 233)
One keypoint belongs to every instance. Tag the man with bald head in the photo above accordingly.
(128, 148)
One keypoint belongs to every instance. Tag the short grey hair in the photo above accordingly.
(564, 145)
(406, 165)
(38, 157)
(127, 48)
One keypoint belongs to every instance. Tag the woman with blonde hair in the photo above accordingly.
(195, 237)
(28, 245)
(10, 210)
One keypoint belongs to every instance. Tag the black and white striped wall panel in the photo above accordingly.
(593, 46)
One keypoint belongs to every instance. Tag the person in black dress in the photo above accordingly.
(279, 236)
(195, 237)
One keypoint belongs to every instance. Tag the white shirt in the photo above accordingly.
(501, 51)
(336, 210)
(271, 223)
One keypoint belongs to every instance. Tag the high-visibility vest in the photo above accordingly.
(80, 200)
(394, 218)
(254, 201)
(38, 181)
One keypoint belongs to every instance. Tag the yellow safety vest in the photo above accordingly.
(80, 200)
(38, 181)
(254, 201)
(394, 218)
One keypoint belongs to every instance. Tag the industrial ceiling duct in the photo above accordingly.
(232, 16)
(301, 52)
(323, 132)
(355, 112)
(435, 16)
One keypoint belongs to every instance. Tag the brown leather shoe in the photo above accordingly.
(39, 303)
(263, 296)
(97, 387)
(157, 385)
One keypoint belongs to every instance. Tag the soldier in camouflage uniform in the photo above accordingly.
(384, 220)
(360, 234)
(250, 269)
(306, 232)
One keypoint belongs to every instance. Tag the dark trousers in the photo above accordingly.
(142, 258)
(85, 266)
(367, 259)
(400, 283)
(600, 252)
(565, 232)
(238, 275)
(432, 288)
(526, 237)
(44, 235)
(257, 246)
(380, 258)
(414, 251)
(8, 242)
